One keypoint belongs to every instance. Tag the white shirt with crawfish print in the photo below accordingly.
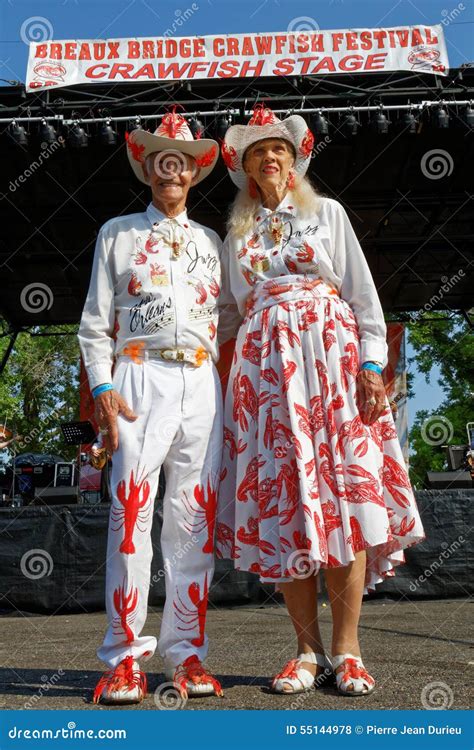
(156, 283)
(322, 245)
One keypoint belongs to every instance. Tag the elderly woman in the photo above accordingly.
(313, 474)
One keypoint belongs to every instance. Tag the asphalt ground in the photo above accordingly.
(418, 651)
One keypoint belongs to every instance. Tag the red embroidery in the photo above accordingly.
(307, 143)
(206, 159)
(229, 155)
(136, 149)
(262, 115)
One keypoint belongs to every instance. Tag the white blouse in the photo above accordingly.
(156, 282)
(324, 245)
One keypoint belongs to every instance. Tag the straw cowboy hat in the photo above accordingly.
(265, 124)
(173, 134)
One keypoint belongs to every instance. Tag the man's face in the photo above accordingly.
(170, 174)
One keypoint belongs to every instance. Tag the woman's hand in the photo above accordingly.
(369, 385)
(107, 407)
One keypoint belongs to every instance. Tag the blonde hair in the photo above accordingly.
(242, 211)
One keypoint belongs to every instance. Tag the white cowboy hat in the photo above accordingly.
(265, 124)
(173, 134)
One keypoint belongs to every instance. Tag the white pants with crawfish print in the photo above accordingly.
(179, 427)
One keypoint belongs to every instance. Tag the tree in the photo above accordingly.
(39, 388)
(449, 343)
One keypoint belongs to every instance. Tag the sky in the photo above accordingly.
(91, 19)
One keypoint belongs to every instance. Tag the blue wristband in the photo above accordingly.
(101, 389)
(372, 366)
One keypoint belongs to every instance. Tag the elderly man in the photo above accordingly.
(150, 318)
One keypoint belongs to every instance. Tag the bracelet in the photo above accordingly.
(101, 389)
(372, 366)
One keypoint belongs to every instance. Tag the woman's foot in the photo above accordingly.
(351, 676)
(301, 674)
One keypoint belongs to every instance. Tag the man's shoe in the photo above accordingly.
(123, 684)
(191, 679)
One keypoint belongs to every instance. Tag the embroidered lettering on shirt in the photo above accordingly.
(149, 315)
(209, 261)
(290, 233)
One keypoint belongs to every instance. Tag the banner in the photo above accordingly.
(421, 49)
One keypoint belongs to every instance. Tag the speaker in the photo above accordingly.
(55, 495)
(455, 456)
(449, 480)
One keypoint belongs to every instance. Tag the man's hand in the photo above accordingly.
(369, 386)
(107, 406)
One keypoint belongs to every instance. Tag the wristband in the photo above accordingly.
(372, 366)
(101, 389)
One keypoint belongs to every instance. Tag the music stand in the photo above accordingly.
(79, 433)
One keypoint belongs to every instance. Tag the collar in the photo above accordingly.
(156, 216)
(286, 206)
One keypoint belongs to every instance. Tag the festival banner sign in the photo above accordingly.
(53, 64)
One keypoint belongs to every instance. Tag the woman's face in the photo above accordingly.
(269, 161)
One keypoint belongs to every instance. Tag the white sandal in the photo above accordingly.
(353, 673)
(299, 679)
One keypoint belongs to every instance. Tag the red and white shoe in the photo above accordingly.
(351, 676)
(296, 679)
(191, 679)
(123, 684)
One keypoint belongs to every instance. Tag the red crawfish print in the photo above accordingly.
(172, 125)
(230, 157)
(404, 528)
(329, 338)
(353, 429)
(289, 369)
(206, 159)
(133, 512)
(259, 262)
(251, 351)
(254, 241)
(337, 402)
(332, 520)
(307, 143)
(349, 364)
(135, 149)
(356, 539)
(249, 484)
(212, 330)
(202, 514)
(288, 477)
(250, 277)
(274, 571)
(194, 615)
(242, 253)
(134, 286)
(323, 545)
(225, 540)
(267, 491)
(277, 432)
(323, 377)
(269, 375)
(349, 323)
(234, 447)
(368, 491)
(262, 115)
(313, 419)
(201, 291)
(309, 315)
(305, 254)
(214, 287)
(393, 477)
(281, 332)
(274, 290)
(245, 400)
(251, 537)
(125, 604)
(332, 473)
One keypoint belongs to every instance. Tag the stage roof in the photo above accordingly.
(416, 228)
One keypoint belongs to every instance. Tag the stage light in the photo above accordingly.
(18, 134)
(468, 116)
(319, 124)
(135, 124)
(196, 126)
(47, 133)
(223, 124)
(380, 123)
(441, 118)
(108, 136)
(77, 137)
(409, 122)
(350, 124)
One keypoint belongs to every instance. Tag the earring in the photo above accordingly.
(253, 191)
(290, 182)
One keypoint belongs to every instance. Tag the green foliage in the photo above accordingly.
(39, 388)
(448, 343)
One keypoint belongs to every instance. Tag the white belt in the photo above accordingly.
(139, 354)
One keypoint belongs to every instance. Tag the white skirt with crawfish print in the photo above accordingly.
(305, 484)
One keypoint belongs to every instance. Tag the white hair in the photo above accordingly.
(305, 197)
